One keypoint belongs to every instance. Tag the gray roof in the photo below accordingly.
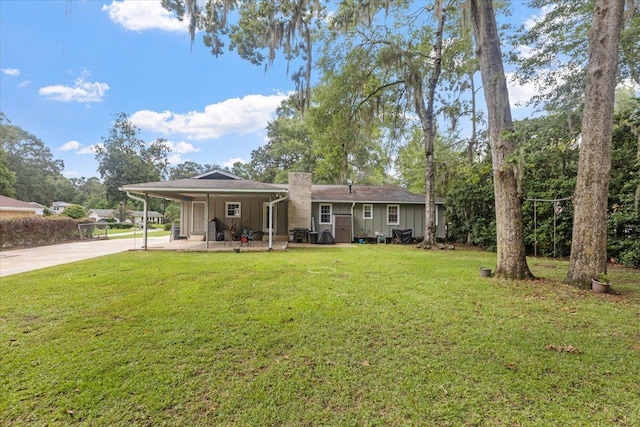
(150, 214)
(191, 187)
(103, 213)
(366, 194)
(220, 182)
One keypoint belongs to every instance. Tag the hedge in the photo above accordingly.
(38, 231)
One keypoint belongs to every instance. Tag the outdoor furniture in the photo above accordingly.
(257, 237)
(300, 235)
(228, 237)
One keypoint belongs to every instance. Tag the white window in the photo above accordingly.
(393, 214)
(367, 211)
(325, 214)
(232, 209)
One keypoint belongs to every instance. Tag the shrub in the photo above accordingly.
(74, 211)
(38, 231)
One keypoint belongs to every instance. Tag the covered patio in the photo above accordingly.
(217, 201)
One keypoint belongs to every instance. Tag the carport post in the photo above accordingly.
(144, 216)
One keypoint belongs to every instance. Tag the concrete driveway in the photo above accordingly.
(22, 260)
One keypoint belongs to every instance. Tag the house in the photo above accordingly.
(152, 216)
(217, 200)
(59, 207)
(101, 214)
(13, 208)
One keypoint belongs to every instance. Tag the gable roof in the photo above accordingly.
(216, 174)
(366, 194)
(11, 204)
(187, 188)
(103, 213)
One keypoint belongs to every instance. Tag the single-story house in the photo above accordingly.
(152, 216)
(132, 216)
(220, 200)
(13, 208)
(101, 214)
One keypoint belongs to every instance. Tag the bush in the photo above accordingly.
(167, 227)
(38, 231)
(121, 225)
(74, 211)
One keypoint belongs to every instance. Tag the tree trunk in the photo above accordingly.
(425, 113)
(589, 241)
(512, 261)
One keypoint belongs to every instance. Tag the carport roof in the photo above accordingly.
(194, 187)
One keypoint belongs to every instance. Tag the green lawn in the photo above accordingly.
(370, 335)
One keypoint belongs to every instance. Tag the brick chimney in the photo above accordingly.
(299, 200)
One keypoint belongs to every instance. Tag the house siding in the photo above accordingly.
(251, 214)
(411, 217)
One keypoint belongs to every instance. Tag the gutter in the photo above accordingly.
(271, 204)
(352, 221)
(144, 218)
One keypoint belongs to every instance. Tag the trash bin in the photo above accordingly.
(176, 232)
(313, 237)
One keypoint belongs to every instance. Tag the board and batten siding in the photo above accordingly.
(251, 214)
(411, 217)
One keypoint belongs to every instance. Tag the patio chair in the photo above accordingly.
(257, 237)
(228, 237)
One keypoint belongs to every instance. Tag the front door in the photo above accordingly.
(342, 228)
(198, 218)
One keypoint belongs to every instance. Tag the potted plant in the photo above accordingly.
(601, 284)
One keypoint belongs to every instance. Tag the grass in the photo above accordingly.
(369, 335)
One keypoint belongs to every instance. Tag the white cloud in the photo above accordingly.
(233, 116)
(181, 147)
(70, 146)
(519, 94)
(136, 15)
(229, 163)
(81, 91)
(88, 150)
(534, 19)
(176, 159)
(10, 71)
(25, 83)
(630, 85)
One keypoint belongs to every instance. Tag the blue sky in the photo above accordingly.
(68, 67)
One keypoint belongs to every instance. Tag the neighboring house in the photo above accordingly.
(221, 200)
(59, 207)
(152, 216)
(101, 214)
(12, 208)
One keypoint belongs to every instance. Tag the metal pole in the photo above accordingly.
(555, 216)
(535, 228)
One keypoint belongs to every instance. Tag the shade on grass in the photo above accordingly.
(369, 335)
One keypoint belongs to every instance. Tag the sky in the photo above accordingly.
(68, 67)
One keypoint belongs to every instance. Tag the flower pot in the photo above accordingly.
(485, 272)
(599, 287)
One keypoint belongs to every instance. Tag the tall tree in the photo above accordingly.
(123, 158)
(557, 51)
(7, 176)
(190, 169)
(589, 241)
(289, 146)
(31, 161)
(512, 261)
